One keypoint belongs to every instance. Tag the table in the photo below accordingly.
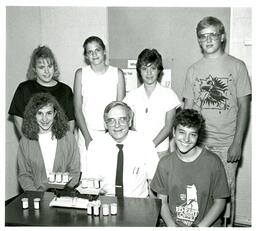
(135, 212)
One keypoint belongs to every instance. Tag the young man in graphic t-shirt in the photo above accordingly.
(191, 182)
(218, 86)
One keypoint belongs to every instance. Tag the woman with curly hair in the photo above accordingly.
(46, 145)
(42, 75)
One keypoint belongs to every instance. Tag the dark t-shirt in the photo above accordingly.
(191, 187)
(62, 92)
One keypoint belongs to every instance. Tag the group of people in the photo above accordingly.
(124, 140)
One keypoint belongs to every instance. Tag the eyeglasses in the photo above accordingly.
(204, 37)
(121, 121)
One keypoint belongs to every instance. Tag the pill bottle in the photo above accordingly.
(24, 203)
(96, 183)
(96, 210)
(36, 203)
(105, 209)
(58, 177)
(51, 177)
(84, 183)
(65, 177)
(89, 209)
(113, 208)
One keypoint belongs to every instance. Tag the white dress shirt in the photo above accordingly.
(140, 162)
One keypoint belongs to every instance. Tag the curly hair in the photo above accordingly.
(42, 52)
(30, 127)
(147, 57)
(189, 118)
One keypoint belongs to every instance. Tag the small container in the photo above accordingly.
(84, 183)
(89, 209)
(24, 203)
(105, 209)
(58, 177)
(90, 183)
(96, 210)
(96, 183)
(51, 177)
(113, 208)
(37, 203)
(65, 177)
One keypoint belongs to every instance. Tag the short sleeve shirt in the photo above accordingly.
(215, 85)
(62, 92)
(149, 113)
(191, 187)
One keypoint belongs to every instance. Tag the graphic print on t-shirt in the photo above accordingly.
(213, 93)
(187, 212)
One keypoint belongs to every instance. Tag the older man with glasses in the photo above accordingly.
(124, 160)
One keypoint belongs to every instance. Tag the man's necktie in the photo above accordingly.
(119, 171)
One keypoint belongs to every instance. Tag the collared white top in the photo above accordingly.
(140, 162)
(150, 112)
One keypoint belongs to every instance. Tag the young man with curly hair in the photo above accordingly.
(191, 181)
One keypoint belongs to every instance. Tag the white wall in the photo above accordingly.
(64, 30)
(171, 30)
(240, 47)
(22, 35)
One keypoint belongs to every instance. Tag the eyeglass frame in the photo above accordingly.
(121, 121)
(213, 36)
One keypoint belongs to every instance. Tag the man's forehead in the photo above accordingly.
(210, 29)
(117, 111)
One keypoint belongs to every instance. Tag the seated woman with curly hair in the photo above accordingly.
(47, 145)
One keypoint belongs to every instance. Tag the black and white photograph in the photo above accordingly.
(127, 114)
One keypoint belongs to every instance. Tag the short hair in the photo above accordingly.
(148, 56)
(189, 118)
(212, 21)
(113, 104)
(42, 52)
(93, 39)
(30, 127)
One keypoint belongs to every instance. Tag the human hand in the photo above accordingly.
(102, 191)
(234, 153)
(87, 143)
